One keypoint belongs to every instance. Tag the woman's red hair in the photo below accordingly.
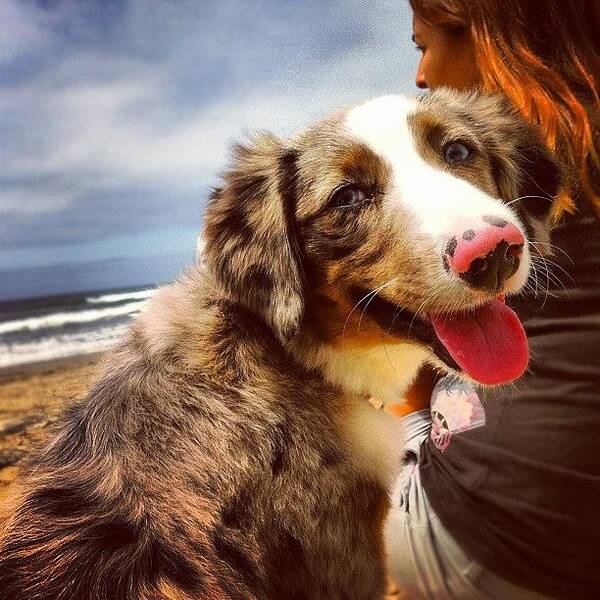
(545, 56)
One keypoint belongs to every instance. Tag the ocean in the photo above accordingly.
(57, 327)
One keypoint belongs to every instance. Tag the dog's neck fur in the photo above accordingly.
(382, 371)
(175, 317)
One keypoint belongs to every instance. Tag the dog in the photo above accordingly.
(228, 450)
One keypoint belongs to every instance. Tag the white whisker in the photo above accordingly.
(549, 198)
(553, 247)
(390, 282)
(371, 293)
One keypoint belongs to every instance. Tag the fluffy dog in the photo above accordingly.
(228, 450)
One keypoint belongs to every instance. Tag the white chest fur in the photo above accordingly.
(376, 440)
(383, 371)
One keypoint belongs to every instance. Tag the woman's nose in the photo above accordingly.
(420, 81)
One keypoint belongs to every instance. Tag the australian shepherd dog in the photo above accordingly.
(228, 450)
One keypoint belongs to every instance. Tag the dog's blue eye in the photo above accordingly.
(456, 153)
(348, 196)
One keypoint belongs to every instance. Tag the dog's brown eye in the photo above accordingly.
(348, 196)
(456, 153)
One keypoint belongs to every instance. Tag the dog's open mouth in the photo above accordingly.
(488, 343)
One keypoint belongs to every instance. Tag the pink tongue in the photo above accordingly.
(489, 343)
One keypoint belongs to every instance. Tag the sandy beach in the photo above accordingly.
(30, 399)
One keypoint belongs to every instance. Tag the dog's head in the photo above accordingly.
(396, 221)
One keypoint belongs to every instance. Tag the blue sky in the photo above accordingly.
(117, 115)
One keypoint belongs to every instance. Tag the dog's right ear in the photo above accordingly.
(251, 244)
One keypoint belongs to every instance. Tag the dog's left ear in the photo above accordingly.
(526, 171)
(250, 234)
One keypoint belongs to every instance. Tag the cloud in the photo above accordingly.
(23, 33)
(130, 106)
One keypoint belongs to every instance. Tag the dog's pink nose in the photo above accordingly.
(485, 258)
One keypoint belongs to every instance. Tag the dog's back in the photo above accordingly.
(202, 477)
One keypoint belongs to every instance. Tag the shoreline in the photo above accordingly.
(21, 371)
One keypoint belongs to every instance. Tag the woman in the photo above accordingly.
(511, 509)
